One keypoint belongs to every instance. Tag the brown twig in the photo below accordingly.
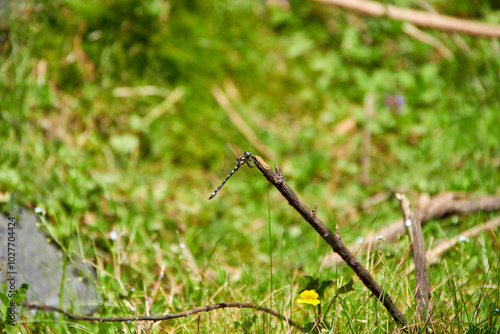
(333, 239)
(195, 310)
(404, 205)
(434, 254)
(417, 17)
(367, 135)
(456, 37)
(440, 205)
(426, 38)
(422, 285)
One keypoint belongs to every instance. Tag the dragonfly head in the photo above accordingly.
(247, 154)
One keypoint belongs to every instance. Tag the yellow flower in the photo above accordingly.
(308, 297)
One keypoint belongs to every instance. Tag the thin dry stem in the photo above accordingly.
(365, 157)
(422, 285)
(48, 308)
(417, 17)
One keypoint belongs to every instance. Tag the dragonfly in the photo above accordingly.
(245, 159)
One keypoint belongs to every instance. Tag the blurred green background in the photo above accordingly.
(109, 120)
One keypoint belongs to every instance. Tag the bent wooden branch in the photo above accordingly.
(438, 206)
(48, 308)
(333, 239)
(417, 17)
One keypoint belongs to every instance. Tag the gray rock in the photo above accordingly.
(39, 264)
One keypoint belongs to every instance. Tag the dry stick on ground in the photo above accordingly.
(434, 254)
(440, 205)
(422, 285)
(333, 239)
(195, 310)
(417, 17)
(365, 157)
(426, 38)
(404, 205)
(456, 37)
